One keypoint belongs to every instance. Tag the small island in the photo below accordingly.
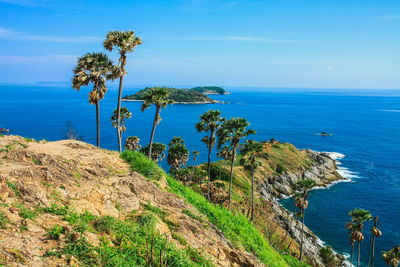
(196, 95)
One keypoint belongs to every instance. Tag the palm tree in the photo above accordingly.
(93, 68)
(359, 216)
(125, 42)
(178, 154)
(157, 96)
(233, 131)
(392, 257)
(132, 143)
(195, 153)
(302, 203)
(222, 154)
(375, 232)
(124, 115)
(250, 163)
(210, 122)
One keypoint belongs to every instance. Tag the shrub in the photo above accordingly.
(55, 232)
(327, 256)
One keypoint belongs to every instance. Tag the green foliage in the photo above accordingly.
(176, 95)
(180, 239)
(209, 90)
(35, 161)
(178, 154)
(155, 210)
(192, 215)
(189, 175)
(327, 256)
(57, 209)
(105, 224)
(26, 213)
(3, 220)
(141, 164)
(157, 151)
(55, 232)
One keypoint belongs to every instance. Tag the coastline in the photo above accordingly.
(312, 243)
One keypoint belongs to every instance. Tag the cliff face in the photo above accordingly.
(57, 198)
(322, 169)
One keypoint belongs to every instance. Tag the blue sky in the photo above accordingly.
(308, 44)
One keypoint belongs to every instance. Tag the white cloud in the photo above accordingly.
(237, 39)
(13, 35)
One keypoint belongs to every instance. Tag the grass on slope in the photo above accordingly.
(235, 226)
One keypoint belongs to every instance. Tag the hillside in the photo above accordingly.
(69, 203)
(282, 165)
(180, 96)
(210, 90)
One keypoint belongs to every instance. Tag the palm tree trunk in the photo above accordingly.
(248, 211)
(373, 251)
(98, 121)
(209, 173)
(351, 257)
(358, 254)
(369, 252)
(121, 80)
(230, 182)
(153, 130)
(252, 195)
(302, 236)
(220, 168)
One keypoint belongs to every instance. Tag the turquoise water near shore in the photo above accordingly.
(366, 127)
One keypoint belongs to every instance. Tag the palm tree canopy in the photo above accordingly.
(392, 257)
(195, 153)
(157, 96)
(232, 131)
(210, 122)
(360, 215)
(125, 114)
(250, 150)
(132, 143)
(92, 68)
(157, 151)
(124, 40)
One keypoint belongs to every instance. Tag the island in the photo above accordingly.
(197, 95)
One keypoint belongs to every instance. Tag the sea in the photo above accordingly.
(366, 140)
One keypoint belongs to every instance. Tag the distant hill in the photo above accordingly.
(195, 95)
(210, 90)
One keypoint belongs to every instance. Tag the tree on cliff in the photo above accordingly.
(209, 123)
(178, 154)
(222, 154)
(358, 217)
(125, 42)
(93, 68)
(302, 203)
(157, 96)
(233, 131)
(124, 115)
(250, 163)
(351, 228)
(157, 153)
(195, 154)
(392, 257)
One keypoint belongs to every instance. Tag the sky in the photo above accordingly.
(295, 44)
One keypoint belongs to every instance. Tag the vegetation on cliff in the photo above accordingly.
(177, 95)
(210, 90)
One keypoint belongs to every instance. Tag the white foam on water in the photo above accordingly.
(389, 110)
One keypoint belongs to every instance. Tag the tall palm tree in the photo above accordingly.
(157, 96)
(392, 257)
(125, 42)
(302, 203)
(210, 122)
(250, 163)
(375, 232)
(124, 115)
(359, 216)
(195, 154)
(178, 154)
(233, 131)
(93, 68)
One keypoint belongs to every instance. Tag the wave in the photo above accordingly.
(343, 171)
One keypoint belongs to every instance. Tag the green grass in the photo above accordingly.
(141, 164)
(3, 220)
(129, 242)
(235, 226)
(180, 239)
(13, 187)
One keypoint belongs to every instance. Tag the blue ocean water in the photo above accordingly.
(366, 127)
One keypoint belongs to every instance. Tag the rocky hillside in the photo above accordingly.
(282, 165)
(68, 203)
